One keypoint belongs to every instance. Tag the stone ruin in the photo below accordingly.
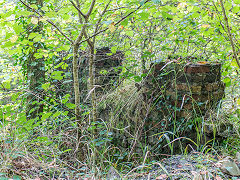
(107, 68)
(190, 89)
(178, 93)
(106, 72)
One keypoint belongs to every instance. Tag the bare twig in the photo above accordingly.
(117, 8)
(78, 9)
(81, 21)
(90, 9)
(99, 20)
(80, 15)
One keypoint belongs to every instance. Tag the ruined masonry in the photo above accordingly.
(177, 93)
(106, 72)
(190, 89)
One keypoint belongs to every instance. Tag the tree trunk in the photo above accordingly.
(92, 83)
(35, 75)
(76, 83)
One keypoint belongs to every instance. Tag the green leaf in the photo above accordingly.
(44, 8)
(65, 47)
(37, 38)
(65, 98)
(64, 66)
(130, 33)
(56, 114)
(144, 15)
(46, 86)
(15, 96)
(57, 66)
(46, 115)
(21, 118)
(91, 128)
(17, 28)
(28, 125)
(236, 9)
(137, 78)
(167, 15)
(25, 13)
(114, 49)
(7, 84)
(65, 113)
(42, 139)
(236, 1)
(67, 150)
(32, 35)
(125, 22)
(57, 75)
(227, 81)
(50, 14)
(70, 105)
(34, 6)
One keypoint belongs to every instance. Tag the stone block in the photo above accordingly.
(216, 68)
(191, 78)
(196, 89)
(211, 77)
(196, 68)
(212, 86)
(200, 98)
(187, 88)
(218, 94)
(193, 86)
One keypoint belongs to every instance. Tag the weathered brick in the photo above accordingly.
(200, 98)
(197, 86)
(211, 77)
(212, 86)
(171, 93)
(183, 87)
(219, 94)
(216, 68)
(196, 89)
(187, 88)
(196, 68)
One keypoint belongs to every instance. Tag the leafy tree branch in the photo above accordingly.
(229, 33)
(49, 21)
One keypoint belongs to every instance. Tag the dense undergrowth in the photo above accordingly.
(48, 148)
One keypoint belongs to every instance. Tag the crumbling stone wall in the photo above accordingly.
(106, 72)
(177, 93)
(191, 89)
(107, 68)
